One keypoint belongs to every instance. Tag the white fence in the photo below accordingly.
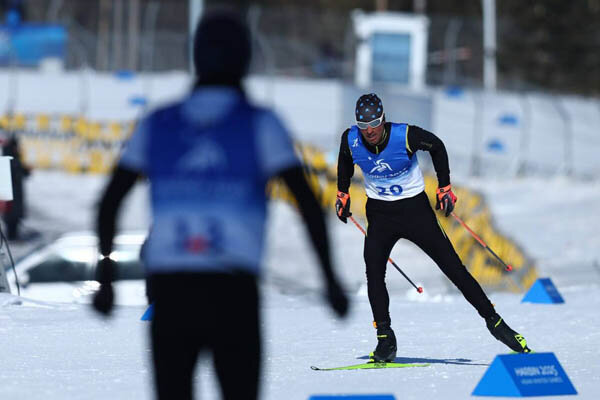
(509, 134)
(486, 133)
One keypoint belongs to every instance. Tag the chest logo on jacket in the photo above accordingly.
(380, 166)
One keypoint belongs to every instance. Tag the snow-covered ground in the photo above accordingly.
(59, 351)
(62, 351)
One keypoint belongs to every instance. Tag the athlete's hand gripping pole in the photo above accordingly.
(419, 288)
(507, 267)
(342, 206)
(445, 199)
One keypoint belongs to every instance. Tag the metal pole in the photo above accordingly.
(506, 266)
(196, 8)
(117, 34)
(80, 50)
(149, 29)
(4, 286)
(525, 136)
(253, 17)
(489, 44)
(450, 39)
(419, 6)
(418, 288)
(478, 99)
(381, 5)
(567, 168)
(134, 35)
(103, 35)
(53, 9)
(13, 82)
(84, 89)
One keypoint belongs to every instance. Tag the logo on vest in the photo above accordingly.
(355, 144)
(205, 242)
(380, 166)
(205, 154)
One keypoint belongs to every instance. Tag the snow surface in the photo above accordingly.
(53, 350)
(61, 350)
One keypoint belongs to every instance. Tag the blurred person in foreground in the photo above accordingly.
(398, 207)
(208, 158)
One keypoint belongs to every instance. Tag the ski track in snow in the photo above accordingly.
(66, 352)
(62, 351)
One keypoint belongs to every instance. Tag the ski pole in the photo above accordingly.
(419, 288)
(508, 267)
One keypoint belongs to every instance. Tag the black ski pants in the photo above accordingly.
(412, 219)
(216, 313)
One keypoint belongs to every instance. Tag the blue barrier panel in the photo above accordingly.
(138, 101)
(543, 291)
(28, 44)
(454, 91)
(353, 397)
(521, 375)
(508, 119)
(496, 145)
(149, 314)
(124, 75)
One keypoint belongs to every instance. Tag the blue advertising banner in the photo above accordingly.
(520, 375)
(27, 44)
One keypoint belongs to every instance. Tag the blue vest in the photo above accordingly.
(391, 174)
(207, 193)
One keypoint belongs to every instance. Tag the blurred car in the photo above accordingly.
(64, 270)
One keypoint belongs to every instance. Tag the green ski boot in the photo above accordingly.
(386, 344)
(502, 332)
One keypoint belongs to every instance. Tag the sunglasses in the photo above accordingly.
(373, 124)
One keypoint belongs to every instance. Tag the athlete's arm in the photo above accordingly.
(311, 213)
(313, 216)
(121, 182)
(345, 167)
(420, 139)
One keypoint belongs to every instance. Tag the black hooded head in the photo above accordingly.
(221, 48)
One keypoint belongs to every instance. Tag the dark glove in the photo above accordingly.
(445, 199)
(342, 206)
(104, 297)
(337, 299)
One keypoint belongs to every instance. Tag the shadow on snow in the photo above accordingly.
(416, 360)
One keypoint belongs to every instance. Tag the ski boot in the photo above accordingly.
(501, 331)
(386, 344)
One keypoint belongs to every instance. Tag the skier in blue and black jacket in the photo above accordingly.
(398, 207)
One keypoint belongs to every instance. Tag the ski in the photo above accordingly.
(372, 366)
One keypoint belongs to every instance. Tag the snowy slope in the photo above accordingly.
(53, 350)
(57, 351)
(62, 351)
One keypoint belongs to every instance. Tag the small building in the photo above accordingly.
(391, 48)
